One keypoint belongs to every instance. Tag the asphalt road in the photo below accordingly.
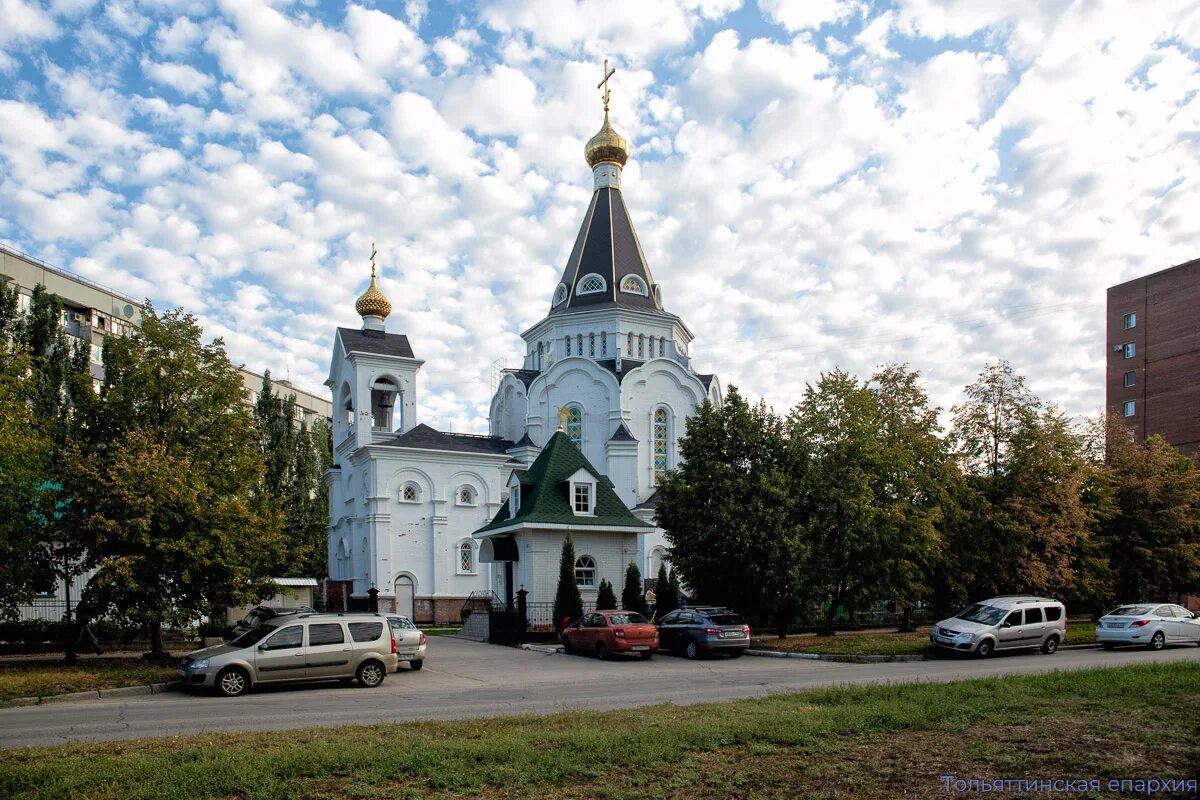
(464, 679)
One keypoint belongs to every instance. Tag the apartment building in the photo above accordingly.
(1153, 329)
(92, 311)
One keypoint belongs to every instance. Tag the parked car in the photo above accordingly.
(703, 630)
(1006, 622)
(296, 647)
(410, 641)
(260, 614)
(1151, 624)
(607, 632)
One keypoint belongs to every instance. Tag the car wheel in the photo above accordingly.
(601, 651)
(371, 674)
(985, 648)
(416, 664)
(1050, 646)
(647, 656)
(1157, 641)
(233, 682)
(736, 653)
(691, 651)
(566, 644)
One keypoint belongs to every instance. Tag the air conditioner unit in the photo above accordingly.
(79, 317)
(1118, 348)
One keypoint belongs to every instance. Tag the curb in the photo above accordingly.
(868, 659)
(542, 648)
(94, 694)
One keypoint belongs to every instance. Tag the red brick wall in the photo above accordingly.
(1167, 336)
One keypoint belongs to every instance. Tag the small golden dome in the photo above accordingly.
(372, 302)
(607, 145)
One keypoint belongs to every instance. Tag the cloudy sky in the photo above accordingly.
(816, 183)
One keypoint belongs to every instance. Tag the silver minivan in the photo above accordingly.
(1006, 622)
(301, 647)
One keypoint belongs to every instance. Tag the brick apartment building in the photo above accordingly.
(1153, 382)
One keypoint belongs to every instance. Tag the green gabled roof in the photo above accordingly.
(544, 489)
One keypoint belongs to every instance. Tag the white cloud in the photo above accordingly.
(179, 38)
(182, 78)
(796, 16)
(22, 22)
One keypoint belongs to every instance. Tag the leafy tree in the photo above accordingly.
(1024, 499)
(633, 597)
(871, 496)
(729, 516)
(163, 479)
(568, 603)
(1152, 538)
(294, 460)
(605, 597)
(663, 599)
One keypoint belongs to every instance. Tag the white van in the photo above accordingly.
(1006, 622)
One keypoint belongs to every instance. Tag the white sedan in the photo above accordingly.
(1151, 624)
(410, 641)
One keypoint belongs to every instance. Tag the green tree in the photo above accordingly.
(871, 496)
(1151, 540)
(294, 460)
(1025, 514)
(729, 514)
(605, 597)
(568, 603)
(633, 596)
(674, 589)
(664, 602)
(163, 479)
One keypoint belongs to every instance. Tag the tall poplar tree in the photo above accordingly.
(633, 595)
(568, 603)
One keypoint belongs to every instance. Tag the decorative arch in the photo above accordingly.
(345, 405)
(560, 294)
(661, 423)
(586, 571)
(466, 479)
(658, 557)
(466, 558)
(573, 424)
(592, 283)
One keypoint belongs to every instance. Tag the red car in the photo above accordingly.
(608, 632)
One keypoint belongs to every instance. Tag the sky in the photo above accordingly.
(816, 183)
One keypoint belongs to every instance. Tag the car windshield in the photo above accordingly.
(986, 615)
(726, 619)
(252, 636)
(1129, 611)
(626, 619)
(399, 623)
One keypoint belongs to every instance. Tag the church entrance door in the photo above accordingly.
(404, 596)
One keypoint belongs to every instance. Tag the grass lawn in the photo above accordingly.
(888, 644)
(869, 742)
(440, 631)
(46, 677)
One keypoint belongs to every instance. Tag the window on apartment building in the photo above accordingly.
(1130, 379)
(1128, 408)
(1130, 349)
(1130, 320)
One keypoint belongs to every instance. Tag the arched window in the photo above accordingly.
(656, 560)
(579, 344)
(641, 345)
(632, 284)
(466, 559)
(629, 346)
(603, 343)
(592, 345)
(662, 345)
(658, 437)
(591, 284)
(573, 425)
(560, 294)
(466, 496)
(539, 356)
(585, 571)
(411, 493)
(568, 341)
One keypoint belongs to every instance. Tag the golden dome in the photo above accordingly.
(606, 145)
(372, 302)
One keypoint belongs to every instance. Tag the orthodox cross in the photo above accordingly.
(373, 252)
(608, 73)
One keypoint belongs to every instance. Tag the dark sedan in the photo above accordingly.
(702, 630)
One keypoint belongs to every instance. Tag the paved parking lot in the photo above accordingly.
(465, 679)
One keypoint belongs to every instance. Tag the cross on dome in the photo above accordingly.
(372, 305)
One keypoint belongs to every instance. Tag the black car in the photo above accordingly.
(260, 614)
(703, 629)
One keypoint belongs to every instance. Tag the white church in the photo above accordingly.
(427, 517)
